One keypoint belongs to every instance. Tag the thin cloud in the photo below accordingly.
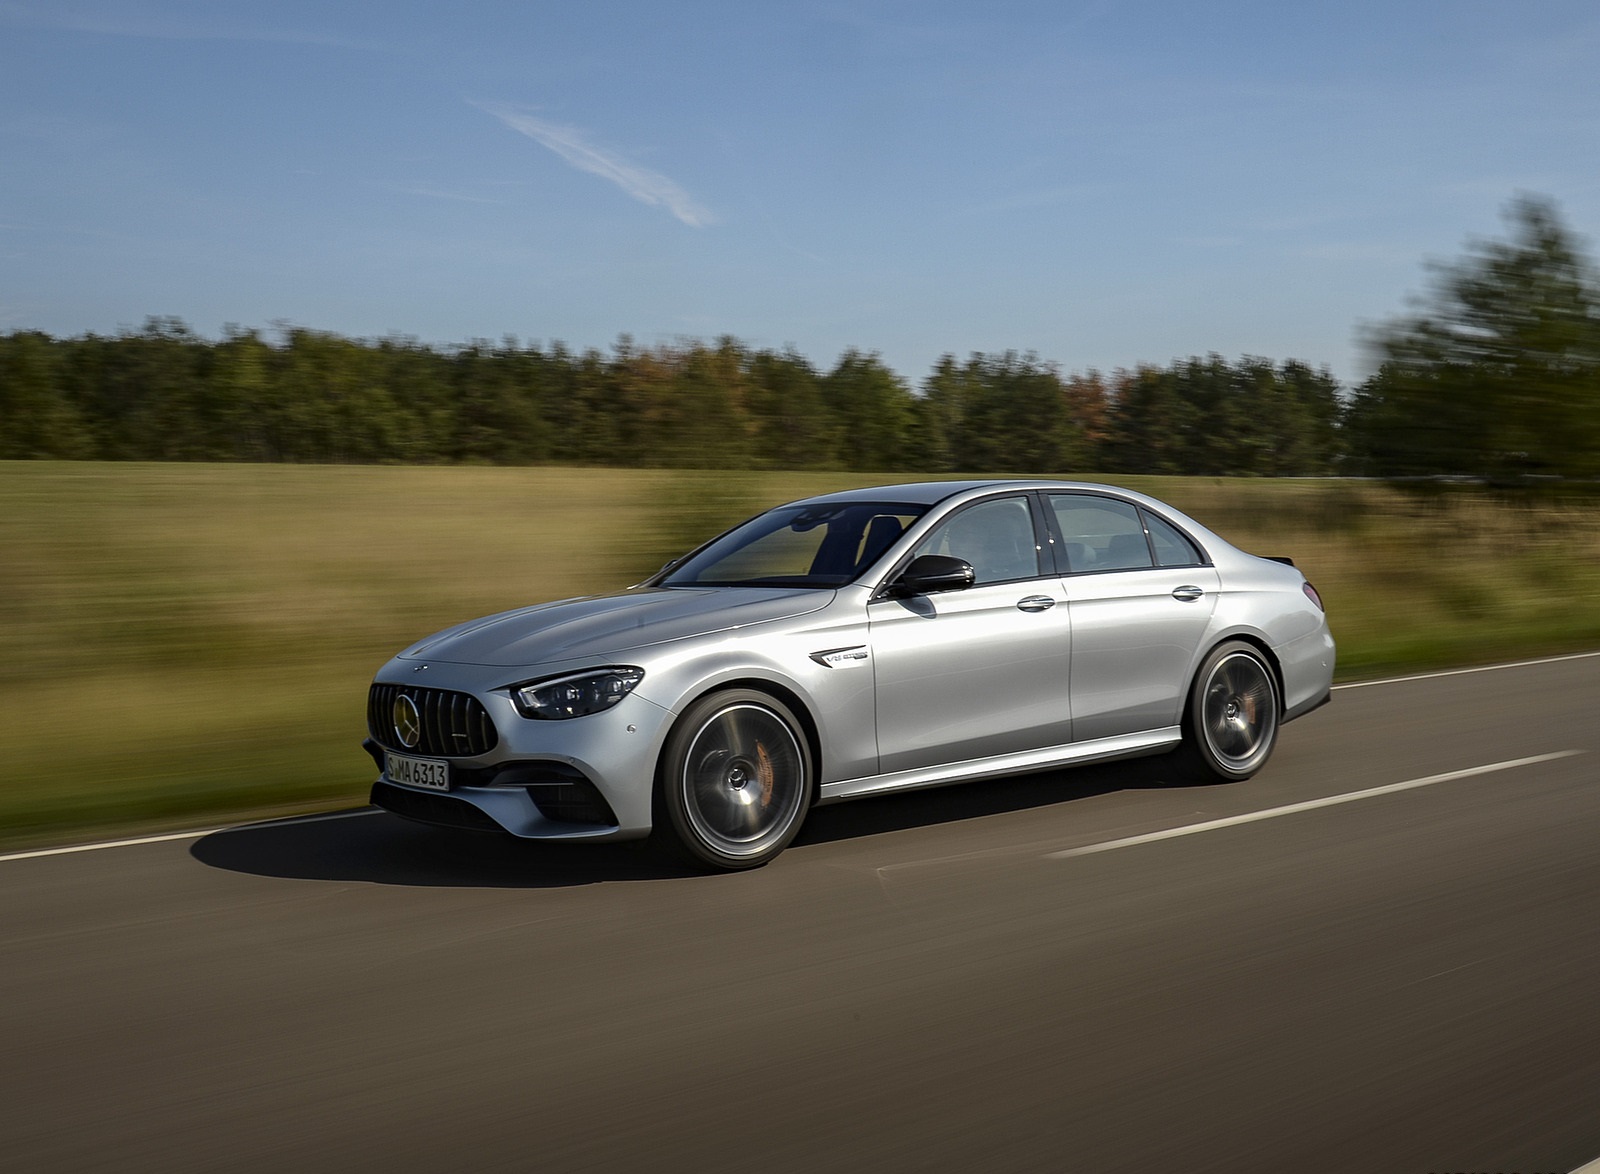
(644, 185)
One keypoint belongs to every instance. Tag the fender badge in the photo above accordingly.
(837, 657)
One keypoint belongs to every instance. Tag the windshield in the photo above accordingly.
(798, 546)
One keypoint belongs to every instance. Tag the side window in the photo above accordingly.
(996, 537)
(1100, 534)
(1173, 548)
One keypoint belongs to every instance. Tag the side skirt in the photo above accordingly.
(1024, 762)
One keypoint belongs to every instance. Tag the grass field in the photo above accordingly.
(190, 643)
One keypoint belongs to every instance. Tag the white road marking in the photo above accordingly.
(172, 836)
(1592, 1168)
(1482, 668)
(1309, 805)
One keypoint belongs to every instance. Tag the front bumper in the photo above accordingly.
(585, 778)
(490, 809)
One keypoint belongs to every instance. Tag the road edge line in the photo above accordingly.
(170, 837)
(1481, 668)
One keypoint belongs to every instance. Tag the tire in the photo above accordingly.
(735, 780)
(1231, 722)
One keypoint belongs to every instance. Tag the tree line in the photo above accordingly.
(1499, 376)
(165, 394)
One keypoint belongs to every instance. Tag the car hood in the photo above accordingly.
(602, 625)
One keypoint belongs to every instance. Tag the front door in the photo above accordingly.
(970, 674)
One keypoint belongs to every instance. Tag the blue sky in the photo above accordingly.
(1102, 183)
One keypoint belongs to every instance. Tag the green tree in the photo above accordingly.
(1208, 417)
(592, 422)
(1312, 444)
(1014, 417)
(147, 393)
(874, 409)
(36, 418)
(793, 426)
(1499, 372)
(938, 440)
(494, 405)
(242, 373)
(1151, 423)
(691, 403)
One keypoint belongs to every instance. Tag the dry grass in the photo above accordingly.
(188, 642)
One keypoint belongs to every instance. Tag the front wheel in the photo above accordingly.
(735, 779)
(1231, 723)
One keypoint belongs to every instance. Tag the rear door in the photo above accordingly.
(1140, 596)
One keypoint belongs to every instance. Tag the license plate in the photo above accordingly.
(432, 773)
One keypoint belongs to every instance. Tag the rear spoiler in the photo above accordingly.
(1279, 558)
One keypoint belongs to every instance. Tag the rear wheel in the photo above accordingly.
(1231, 723)
(735, 779)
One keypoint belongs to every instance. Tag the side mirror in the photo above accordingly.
(933, 572)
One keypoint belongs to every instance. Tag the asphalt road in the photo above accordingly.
(1407, 982)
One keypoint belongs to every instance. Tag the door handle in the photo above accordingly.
(1036, 603)
(1188, 593)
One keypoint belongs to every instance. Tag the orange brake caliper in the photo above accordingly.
(764, 774)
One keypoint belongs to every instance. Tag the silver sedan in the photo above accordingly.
(874, 640)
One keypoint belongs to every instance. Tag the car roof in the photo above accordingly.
(932, 492)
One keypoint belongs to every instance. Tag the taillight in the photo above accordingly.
(1311, 594)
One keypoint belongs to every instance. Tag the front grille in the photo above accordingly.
(454, 725)
(443, 810)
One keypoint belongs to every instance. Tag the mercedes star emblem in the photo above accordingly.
(407, 721)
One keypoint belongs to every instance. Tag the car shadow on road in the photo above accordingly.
(380, 848)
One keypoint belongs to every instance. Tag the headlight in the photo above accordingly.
(577, 695)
